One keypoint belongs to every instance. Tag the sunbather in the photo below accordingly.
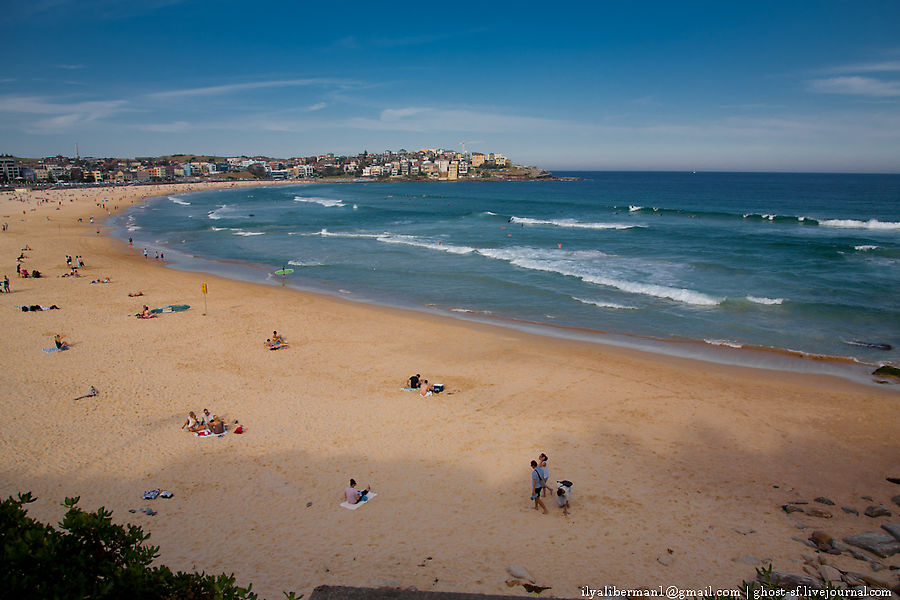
(216, 426)
(135, 294)
(353, 495)
(191, 424)
(60, 343)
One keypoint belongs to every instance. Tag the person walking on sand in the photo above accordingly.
(6, 284)
(536, 485)
(544, 470)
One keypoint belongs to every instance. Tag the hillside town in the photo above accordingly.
(424, 164)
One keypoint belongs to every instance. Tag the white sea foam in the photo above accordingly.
(328, 202)
(769, 301)
(606, 304)
(854, 224)
(471, 312)
(179, 201)
(411, 240)
(540, 260)
(634, 208)
(340, 234)
(865, 248)
(219, 228)
(243, 233)
(302, 263)
(724, 343)
(572, 223)
(217, 214)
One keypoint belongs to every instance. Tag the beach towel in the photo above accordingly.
(349, 506)
(54, 349)
(208, 433)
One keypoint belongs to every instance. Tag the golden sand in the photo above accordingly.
(666, 454)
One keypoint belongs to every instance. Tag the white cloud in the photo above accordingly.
(874, 67)
(174, 127)
(855, 85)
(316, 106)
(240, 87)
(59, 116)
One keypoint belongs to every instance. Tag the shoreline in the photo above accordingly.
(665, 453)
(737, 354)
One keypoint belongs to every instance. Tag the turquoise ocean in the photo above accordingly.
(792, 271)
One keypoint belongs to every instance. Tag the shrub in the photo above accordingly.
(91, 557)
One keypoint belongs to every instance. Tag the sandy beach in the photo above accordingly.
(680, 467)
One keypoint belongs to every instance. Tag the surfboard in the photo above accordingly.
(171, 308)
(284, 271)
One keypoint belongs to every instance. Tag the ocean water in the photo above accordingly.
(710, 264)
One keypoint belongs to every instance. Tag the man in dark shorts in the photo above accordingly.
(537, 483)
(414, 381)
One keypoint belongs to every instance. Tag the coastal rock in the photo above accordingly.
(879, 544)
(850, 511)
(887, 371)
(790, 508)
(665, 560)
(896, 500)
(869, 498)
(893, 480)
(893, 529)
(824, 500)
(804, 542)
(845, 548)
(818, 512)
(791, 581)
(875, 581)
(797, 523)
(853, 579)
(829, 573)
(877, 566)
(819, 537)
(877, 511)
(520, 572)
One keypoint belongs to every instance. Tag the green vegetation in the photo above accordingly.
(91, 557)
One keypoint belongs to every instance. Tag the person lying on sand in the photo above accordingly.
(146, 313)
(135, 294)
(61, 344)
(275, 345)
(353, 495)
(191, 424)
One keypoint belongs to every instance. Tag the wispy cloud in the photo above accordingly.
(57, 116)
(856, 85)
(241, 87)
(174, 127)
(316, 106)
(871, 67)
(70, 67)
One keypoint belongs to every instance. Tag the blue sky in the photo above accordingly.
(785, 86)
